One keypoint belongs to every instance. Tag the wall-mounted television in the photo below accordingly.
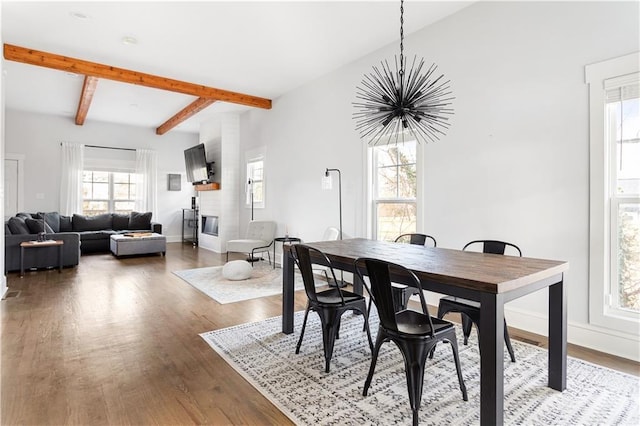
(196, 164)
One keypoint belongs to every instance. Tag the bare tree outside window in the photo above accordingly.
(395, 189)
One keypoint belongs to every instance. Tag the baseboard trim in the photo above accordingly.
(600, 339)
(3, 286)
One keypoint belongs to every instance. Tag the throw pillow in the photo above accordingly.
(17, 226)
(120, 222)
(138, 221)
(52, 219)
(35, 226)
(99, 222)
(65, 224)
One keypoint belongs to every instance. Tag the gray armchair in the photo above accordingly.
(260, 235)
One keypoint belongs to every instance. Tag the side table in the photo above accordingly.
(283, 240)
(40, 244)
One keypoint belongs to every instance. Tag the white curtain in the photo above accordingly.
(71, 168)
(147, 182)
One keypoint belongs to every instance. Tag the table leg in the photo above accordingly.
(21, 261)
(59, 258)
(274, 255)
(491, 338)
(558, 336)
(287, 291)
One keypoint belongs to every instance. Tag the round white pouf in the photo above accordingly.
(237, 270)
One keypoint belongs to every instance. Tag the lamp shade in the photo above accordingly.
(327, 181)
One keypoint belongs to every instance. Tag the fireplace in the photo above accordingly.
(210, 225)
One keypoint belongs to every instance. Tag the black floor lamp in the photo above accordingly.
(251, 259)
(328, 184)
(250, 190)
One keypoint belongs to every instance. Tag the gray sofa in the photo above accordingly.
(81, 234)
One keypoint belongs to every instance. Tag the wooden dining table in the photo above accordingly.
(490, 279)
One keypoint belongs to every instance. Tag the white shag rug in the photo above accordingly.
(264, 281)
(298, 386)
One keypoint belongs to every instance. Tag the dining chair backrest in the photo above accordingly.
(380, 275)
(417, 239)
(305, 257)
(493, 246)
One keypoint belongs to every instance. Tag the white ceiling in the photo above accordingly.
(261, 48)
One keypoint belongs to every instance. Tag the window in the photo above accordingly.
(614, 242)
(394, 190)
(107, 192)
(255, 175)
(622, 135)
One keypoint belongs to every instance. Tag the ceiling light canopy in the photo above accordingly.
(129, 40)
(395, 106)
(78, 15)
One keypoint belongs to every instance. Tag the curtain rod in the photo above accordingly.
(107, 147)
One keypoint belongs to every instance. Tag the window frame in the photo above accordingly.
(111, 202)
(374, 202)
(602, 250)
(252, 158)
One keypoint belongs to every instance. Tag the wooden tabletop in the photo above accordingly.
(492, 273)
(28, 244)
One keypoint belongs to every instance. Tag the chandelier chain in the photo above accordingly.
(401, 37)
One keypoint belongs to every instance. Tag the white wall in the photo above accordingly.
(38, 137)
(514, 164)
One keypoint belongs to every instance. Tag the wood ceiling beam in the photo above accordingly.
(88, 89)
(188, 111)
(93, 69)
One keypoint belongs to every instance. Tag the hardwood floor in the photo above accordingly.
(115, 341)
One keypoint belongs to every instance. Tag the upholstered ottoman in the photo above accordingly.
(142, 243)
(237, 270)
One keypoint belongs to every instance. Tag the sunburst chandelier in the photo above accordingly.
(394, 105)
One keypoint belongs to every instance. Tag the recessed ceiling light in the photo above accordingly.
(71, 74)
(79, 15)
(129, 40)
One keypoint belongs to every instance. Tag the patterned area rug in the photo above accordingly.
(298, 386)
(264, 281)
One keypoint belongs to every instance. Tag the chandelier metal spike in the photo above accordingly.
(393, 106)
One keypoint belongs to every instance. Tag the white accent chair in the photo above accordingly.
(330, 234)
(260, 235)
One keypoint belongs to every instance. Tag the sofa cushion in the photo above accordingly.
(91, 223)
(65, 224)
(17, 226)
(120, 222)
(35, 226)
(96, 235)
(52, 219)
(138, 221)
(24, 215)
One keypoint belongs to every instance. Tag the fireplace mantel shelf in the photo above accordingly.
(214, 186)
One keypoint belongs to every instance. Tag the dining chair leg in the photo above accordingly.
(415, 358)
(304, 325)
(374, 359)
(507, 342)
(467, 324)
(330, 320)
(456, 358)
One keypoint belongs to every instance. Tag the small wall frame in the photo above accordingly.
(174, 182)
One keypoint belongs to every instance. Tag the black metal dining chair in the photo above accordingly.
(414, 333)
(417, 239)
(328, 304)
(470, 310)
(402, 293)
